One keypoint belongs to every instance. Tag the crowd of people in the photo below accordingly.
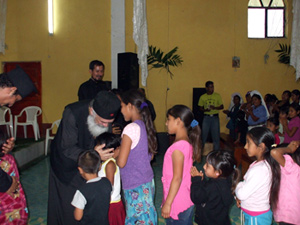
(281, 116)
(102, 175)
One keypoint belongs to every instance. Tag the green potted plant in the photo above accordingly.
(157, 59)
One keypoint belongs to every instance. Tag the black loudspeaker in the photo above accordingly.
(128, 71)
(197, 92)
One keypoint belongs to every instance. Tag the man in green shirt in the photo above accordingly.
(210, 103)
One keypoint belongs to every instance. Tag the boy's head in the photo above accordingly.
(284, 111)
(273, 124)
(110, 140)
(89, 162)
(295, 95)
(286, 95)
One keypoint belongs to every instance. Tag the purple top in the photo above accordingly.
(137, 170)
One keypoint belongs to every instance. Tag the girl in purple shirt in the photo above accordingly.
(138, 147)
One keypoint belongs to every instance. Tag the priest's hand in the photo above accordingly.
(104, 154)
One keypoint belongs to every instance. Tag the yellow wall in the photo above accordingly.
(81, 34)
(208, 34)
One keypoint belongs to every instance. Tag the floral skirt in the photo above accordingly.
(140, 207)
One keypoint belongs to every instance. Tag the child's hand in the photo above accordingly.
(238, 202)
(293, 146)
(196, 173)
(116, 130)
(8, 146)
(165, 211)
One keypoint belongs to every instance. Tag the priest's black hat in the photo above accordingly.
(106, 104)
(21, 81)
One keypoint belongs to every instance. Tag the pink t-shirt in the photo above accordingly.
(182, 200)
(295, 122)
(288, 207)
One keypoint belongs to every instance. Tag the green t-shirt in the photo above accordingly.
(207, 100)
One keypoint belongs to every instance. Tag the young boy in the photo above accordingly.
(92, 200)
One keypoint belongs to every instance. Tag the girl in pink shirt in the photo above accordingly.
(287, 211)
(258, 192)
(291, 129)
(177, 206)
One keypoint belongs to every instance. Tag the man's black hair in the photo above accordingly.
(95, 63)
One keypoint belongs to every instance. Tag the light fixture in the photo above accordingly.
(50, 17)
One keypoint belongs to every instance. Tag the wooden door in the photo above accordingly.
(33, 69)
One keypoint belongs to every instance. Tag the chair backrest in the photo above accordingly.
(31, 113)
(55, 123)
(3, 111)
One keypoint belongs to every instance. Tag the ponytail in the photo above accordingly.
(193, 129)
(263, 135)
(224, 162)
(194, 134)
(137, 99)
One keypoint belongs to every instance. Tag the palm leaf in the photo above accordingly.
(284, 53)
(157, 59)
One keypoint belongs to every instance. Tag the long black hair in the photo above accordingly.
(136, 98)
(224, 162)
(186, 116)
(263, 135)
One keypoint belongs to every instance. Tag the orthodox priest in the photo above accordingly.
(81, 122)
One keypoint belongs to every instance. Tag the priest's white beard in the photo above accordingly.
(95, 129)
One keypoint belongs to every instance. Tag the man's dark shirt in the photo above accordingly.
(90, 88)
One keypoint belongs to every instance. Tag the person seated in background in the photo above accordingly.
(292, 128)
(90, 88)
(284, 102)
(232, 114)
(257, 114)
(248, 102)
(295, 96)
(149, 103)
(241, 128)
(270, 100)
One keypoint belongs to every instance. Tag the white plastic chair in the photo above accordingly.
(9, 124)
(48, 132)
(32, 112)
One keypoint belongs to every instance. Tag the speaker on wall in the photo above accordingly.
(128, 71)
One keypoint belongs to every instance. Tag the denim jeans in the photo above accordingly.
(184, 218)
(211, 124)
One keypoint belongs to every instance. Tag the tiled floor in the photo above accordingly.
(35, 183)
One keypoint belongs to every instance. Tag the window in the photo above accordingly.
(266, 19)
